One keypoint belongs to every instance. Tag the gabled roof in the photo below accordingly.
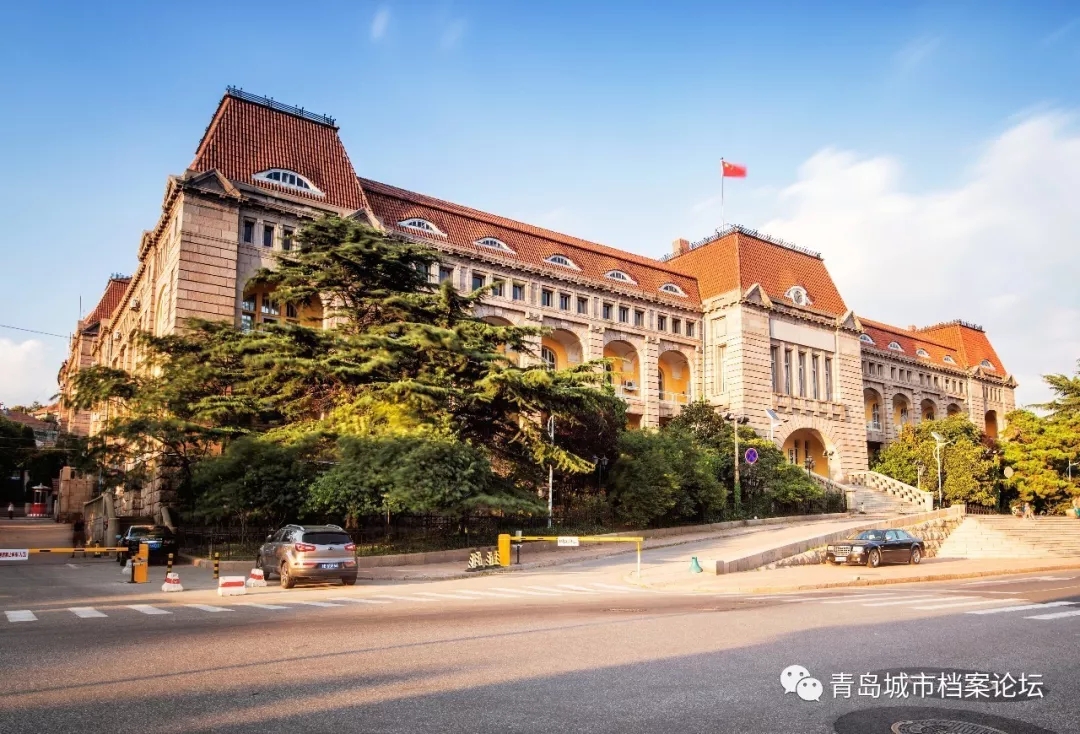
(251, 134)
(532, 245)
(110, 299)
(737, 259)
(966, 344)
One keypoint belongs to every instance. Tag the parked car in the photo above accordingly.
(874, 547)
(308, 552)
(161, 540)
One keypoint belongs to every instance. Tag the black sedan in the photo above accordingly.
(874, 547)
(161, 540)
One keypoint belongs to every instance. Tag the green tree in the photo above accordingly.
(1039, 450)
(1066, 389)
(967, 466)
(253, 481)
(16, 447)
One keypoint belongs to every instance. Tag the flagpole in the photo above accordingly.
(723, 221)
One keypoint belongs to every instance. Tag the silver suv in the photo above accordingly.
(316, 552)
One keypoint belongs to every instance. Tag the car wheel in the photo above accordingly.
(348, 580)
(874, 559)
(287, 581)
(916, 555)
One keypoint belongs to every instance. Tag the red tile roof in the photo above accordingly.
(969, 340)
(463, 227)
(738, 260)
(110, 299)
(966, 344)
(246, 137)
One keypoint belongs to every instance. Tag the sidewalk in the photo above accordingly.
(32, 532)
(826, 576)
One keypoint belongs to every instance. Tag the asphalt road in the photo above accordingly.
(571, 649)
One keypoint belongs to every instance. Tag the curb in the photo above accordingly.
(873, 582)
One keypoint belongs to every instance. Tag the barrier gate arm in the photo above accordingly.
(505, 539)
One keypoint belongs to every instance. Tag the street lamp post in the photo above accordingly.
(736, 421)
(939, 444)
(551, 472)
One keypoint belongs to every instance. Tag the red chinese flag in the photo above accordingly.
(732, 170)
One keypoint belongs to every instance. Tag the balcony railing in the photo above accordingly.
(873, 425)
(674, 397)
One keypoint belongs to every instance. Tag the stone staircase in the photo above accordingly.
(874, 493)
(1004, 536)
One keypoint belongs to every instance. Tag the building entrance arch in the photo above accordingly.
(802, 436)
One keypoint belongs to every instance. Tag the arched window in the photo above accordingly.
(797, 294)
(288, 179)
(619, 275)
(987, 364)
(895, 346)
(920, 352)
(673, 289)
(948, 359)
(494, 244)
(562, 260)
(547, 356)
(866, 339)
(421, 224)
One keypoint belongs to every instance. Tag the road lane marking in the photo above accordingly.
(624, 588)
(317, 603)
(147, 609)
(444, 596)
(357, 600)
(1057, 615)
(21, 615)
(526, 591)
(71, 565)
(859, 597)
(263, 606)
(495, 594)
(579, 589)
(1022, 608)
(909, 600)
(970, 603)
(86, 612)
(549, 589)
(403, 598)
(208, 608)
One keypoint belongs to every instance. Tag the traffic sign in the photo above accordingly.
(751, 455)
(15, 554)
(568, 541)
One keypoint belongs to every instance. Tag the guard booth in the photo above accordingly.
(39, 505)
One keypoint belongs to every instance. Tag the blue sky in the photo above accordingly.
(925, 149)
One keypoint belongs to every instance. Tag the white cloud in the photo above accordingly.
(451, 35)
(998, 249)
(26, 373)
(916, 51)
(379, 23)
(1060, 32)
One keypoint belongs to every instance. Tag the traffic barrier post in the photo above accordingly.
(168, 566)
(217, 565)
(573, 541)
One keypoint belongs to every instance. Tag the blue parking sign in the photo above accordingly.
(751, 456)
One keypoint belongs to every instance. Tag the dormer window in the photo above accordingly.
(987, 364)
(797, 295)
(422, 225)
(562, 260)
(947, 359)
(672, 289)
(895, 346)
(920, 352)
(620, 275)
(494, 244)
(866, 339)
(288, 179)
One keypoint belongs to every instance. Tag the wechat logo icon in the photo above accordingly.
(796, 679)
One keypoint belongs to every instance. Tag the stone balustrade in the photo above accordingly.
(888, 485)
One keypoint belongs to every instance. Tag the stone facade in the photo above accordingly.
(749, 323)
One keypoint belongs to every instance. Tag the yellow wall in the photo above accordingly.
(870, 406)
(897, 408)
(561, 358)
(622, 369)
(817, 450)
(676, 373)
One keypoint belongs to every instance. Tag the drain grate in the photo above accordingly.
(942, 726)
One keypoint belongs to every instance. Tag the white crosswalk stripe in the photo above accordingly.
(208, 608)
(1021, 608)
(950, 605)
(525, 591)
(442, 596)
(21, 615)
(906, 601)
(86, 612)
(271, 607)
(404, 598)
(858, 597)
(317, 603)
(358, 600)
(578, 589)
(549, 589)
(490, 594)
(1057, 615)
(147, 609)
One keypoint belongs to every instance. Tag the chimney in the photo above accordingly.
(680, 246)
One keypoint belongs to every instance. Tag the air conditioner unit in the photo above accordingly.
(629, 385)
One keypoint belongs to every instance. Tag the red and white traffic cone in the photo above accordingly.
(172, 582)
(256, 578)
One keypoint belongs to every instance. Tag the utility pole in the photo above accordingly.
(735, 422)
(939, 444)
